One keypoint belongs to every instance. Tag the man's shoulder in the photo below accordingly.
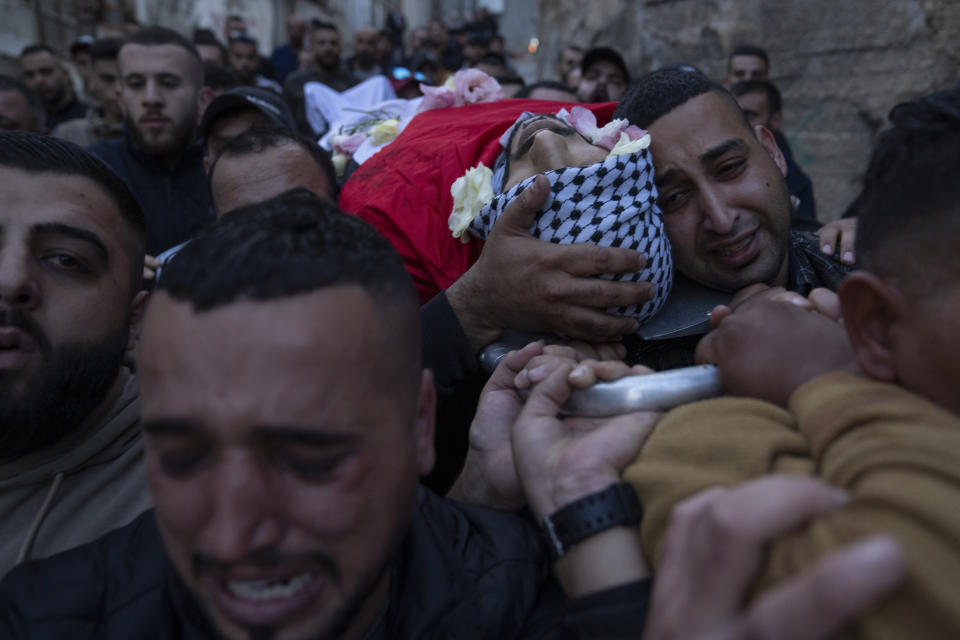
(470, 570)
(101, 589)
(114, 152)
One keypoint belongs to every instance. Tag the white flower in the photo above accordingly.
(385, 131)
(339, 163)
(471, 193)
(626, 145)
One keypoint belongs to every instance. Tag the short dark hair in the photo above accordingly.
(260, 138)
(208, 38)
(157, 36)
(243, 38)
(493, 59)
(660, 92)
(217, 76)
(750, 50)
(774, 99)
(543, 84)
(316, 25)
(34, 103)
(909, 209)
(39, 47)
(292, 244)
(36, 153)
(105, 49)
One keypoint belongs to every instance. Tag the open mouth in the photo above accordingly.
(269, 600)
(263, 590)
(732, 249)
(739, 252)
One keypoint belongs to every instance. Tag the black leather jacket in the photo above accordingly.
(463, 573)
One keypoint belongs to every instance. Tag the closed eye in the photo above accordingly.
(731, 168)
(65, 262)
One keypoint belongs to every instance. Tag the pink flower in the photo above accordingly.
(474, 86)
(437, 98)
(635, 132)
(348, 145)
(607, 137)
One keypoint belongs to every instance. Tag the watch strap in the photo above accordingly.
(614, 506)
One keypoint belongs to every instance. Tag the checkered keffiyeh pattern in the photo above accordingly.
(611, 203)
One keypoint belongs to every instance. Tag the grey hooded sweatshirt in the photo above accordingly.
(76, 490)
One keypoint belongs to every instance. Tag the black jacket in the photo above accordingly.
(798, 182)
(463, 572)
(176, 202)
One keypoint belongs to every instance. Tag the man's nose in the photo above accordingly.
(152, 94)
(19, 286)
(717, 216)
(244, 517)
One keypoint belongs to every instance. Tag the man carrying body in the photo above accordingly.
(726, 206)
(325, 44)
(293, 510)
(71, 257)
(160, 80)
(43, 71)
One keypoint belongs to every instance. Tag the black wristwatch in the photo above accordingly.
(614, 506)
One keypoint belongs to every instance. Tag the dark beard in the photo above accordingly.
(182, 139)
(53, 401)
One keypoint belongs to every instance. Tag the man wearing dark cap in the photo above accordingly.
(604, 76)
(230, 115)
(236, 111)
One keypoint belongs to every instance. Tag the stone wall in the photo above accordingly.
(841, 65)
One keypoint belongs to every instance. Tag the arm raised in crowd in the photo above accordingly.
(526, 284)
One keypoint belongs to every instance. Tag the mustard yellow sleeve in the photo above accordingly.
(899, 456)
(724, 441)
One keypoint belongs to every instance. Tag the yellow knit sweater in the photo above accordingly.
(895, 452)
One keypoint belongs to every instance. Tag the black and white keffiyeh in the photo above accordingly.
(611, 203)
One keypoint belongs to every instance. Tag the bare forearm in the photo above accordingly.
(608, 559)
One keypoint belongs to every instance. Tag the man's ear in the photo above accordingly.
(870, 308)
(137, 307)
(204, 98)
(426, 423)
(769, 144)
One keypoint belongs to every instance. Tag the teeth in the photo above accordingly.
(726, 251)
(261, 590)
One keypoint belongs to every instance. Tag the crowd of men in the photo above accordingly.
(224, 412)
